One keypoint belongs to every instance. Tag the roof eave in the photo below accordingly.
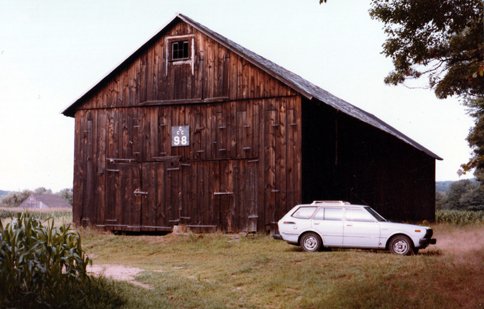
(70, 111)
(230, 46)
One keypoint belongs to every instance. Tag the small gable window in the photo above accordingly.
(180, 50)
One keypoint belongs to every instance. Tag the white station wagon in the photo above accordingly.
(344, 225)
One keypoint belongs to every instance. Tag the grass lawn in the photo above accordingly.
(233, 271)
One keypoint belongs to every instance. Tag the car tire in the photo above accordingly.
(311, 242)
(401, 245)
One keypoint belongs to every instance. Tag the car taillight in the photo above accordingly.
(289, 222)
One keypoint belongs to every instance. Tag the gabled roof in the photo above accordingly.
(292, 80)
(49, 200)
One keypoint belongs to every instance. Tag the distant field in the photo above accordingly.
(61, 215)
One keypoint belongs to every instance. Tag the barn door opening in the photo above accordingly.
(223, 196)
(123, 194)
(248, 195)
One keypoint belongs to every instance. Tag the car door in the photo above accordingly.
(361, 229)
(328, 222)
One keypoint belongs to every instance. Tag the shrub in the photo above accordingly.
(43, 266)
(459, 216)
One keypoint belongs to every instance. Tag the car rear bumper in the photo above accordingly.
(277, 236)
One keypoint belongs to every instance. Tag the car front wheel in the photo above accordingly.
(311, 242)
(401, 245)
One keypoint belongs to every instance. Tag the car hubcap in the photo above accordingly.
(400, 247)
(310, 243)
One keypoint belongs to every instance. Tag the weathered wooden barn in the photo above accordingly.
(196, 129)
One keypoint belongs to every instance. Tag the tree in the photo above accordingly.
(42, 190)
(442, 40)
(66, 194)
(462, 195)
(476, 140)
(14, 199)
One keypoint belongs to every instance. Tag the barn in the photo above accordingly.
(195, 129)
(45, 200)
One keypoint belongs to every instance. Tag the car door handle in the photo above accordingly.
(349, 224)
(316, 223)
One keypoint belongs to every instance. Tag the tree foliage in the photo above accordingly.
(462, 195)
(476, 139)
(14, 199)
(442, 40)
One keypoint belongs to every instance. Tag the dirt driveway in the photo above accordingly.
(464, 243)
(118, 272)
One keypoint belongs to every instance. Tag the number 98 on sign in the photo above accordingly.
(180, 136)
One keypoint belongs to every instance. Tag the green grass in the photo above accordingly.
(234, 271)
(220, 271)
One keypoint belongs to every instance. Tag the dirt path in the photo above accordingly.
(465, 246)
(118, 272)
(464, 243)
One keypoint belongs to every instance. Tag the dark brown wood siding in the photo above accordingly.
(346, 159)
(241, 170)
(216, 73)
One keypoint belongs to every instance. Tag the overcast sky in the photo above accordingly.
(53, 51)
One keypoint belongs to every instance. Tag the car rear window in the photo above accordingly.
(304, 212)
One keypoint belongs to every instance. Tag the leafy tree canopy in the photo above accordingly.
(462, 195)
(439, 39)
(442, 40)
(476, 139)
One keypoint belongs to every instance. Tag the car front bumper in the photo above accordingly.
(424, 242)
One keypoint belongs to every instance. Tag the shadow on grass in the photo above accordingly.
(433, 252)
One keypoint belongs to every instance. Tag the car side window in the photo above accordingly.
(304, 212)
(333, 214)
(359, 215)
(319, 214)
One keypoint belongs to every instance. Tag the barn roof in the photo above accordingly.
(296, 82)
(50, 200)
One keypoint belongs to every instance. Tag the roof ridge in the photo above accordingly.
(291, 79)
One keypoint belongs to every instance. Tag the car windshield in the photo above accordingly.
(375, 214)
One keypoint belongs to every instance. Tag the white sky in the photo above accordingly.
(53, 51)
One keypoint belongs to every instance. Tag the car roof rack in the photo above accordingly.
(330, 202)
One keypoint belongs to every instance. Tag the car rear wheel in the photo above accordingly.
(401, 245)
(311, 242)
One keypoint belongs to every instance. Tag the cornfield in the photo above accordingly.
(459, 217)
(44, 266)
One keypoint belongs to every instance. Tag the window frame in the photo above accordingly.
(182, 50)
(168, 57)
(303, 208)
